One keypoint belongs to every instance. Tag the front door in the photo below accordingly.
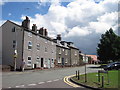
(62, 61)
(35, 66)
(42, 62)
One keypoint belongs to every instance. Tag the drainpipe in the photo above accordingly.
(23, 43)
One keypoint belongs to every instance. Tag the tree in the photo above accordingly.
(109, 47)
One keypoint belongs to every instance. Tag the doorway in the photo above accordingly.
(62, 61)
(35, 65)
(42, 62)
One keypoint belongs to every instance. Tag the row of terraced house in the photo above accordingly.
(34, 47)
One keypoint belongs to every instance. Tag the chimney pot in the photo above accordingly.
(26, 23)
(59, 37)
(34, 28)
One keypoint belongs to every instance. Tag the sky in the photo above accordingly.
(78, 21)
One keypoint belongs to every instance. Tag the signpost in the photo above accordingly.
(103, 71)
(15, 56)
(78, 75)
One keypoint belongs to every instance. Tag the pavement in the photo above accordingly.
(50, 78)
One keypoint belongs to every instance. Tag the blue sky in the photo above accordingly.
(78, 21)
(14, 10)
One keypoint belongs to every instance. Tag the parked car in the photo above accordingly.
(112, 66)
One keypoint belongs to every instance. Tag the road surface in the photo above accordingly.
(50, 78)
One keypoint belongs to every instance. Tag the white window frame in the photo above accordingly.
(38, 48)
(66, 52)
(59, 50)
(29, 61)
(38, 59)
(29, 45)
(66, 61)
(75, 53)
(46, 50)
(59, 60)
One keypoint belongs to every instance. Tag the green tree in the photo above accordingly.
(109, 47)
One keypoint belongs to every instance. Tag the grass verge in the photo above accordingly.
(92, 79)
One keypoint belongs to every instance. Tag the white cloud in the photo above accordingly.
(2, 22)
(109, 18)
(81, 21)
(77, 31)
(110, 5)
(59, 26)
(9, 14)
(99, 27)
(104, 22)
(1, 2)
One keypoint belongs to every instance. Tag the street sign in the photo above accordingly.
(15, 56)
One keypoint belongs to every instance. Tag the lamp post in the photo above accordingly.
(15, 56)
(85, 70)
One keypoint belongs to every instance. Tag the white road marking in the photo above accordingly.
(17, 86)
(20, 86)
(56, 80)
(41, 82)
(31, 84)
(49, 81)
(9, 87)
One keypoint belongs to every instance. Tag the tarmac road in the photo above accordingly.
(50, 78)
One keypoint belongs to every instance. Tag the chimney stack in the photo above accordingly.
(70, 43)
(43, 31)
(46, 33)
(59, 37)
(34, 28)
(26, 23)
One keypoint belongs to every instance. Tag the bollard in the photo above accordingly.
(108, 78)
(85, 74)
(102, 81)
(98, 76)
(78, 75)
(85, 77)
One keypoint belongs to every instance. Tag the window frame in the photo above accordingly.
(29, 45)
(29, 61)
(38, 46)
(59, 60)
(46, 50)
(66, 60)
(66, 52)
(60, 51)
(75, 53)
(13, 29)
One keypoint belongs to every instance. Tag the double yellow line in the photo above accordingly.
(66, 80)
